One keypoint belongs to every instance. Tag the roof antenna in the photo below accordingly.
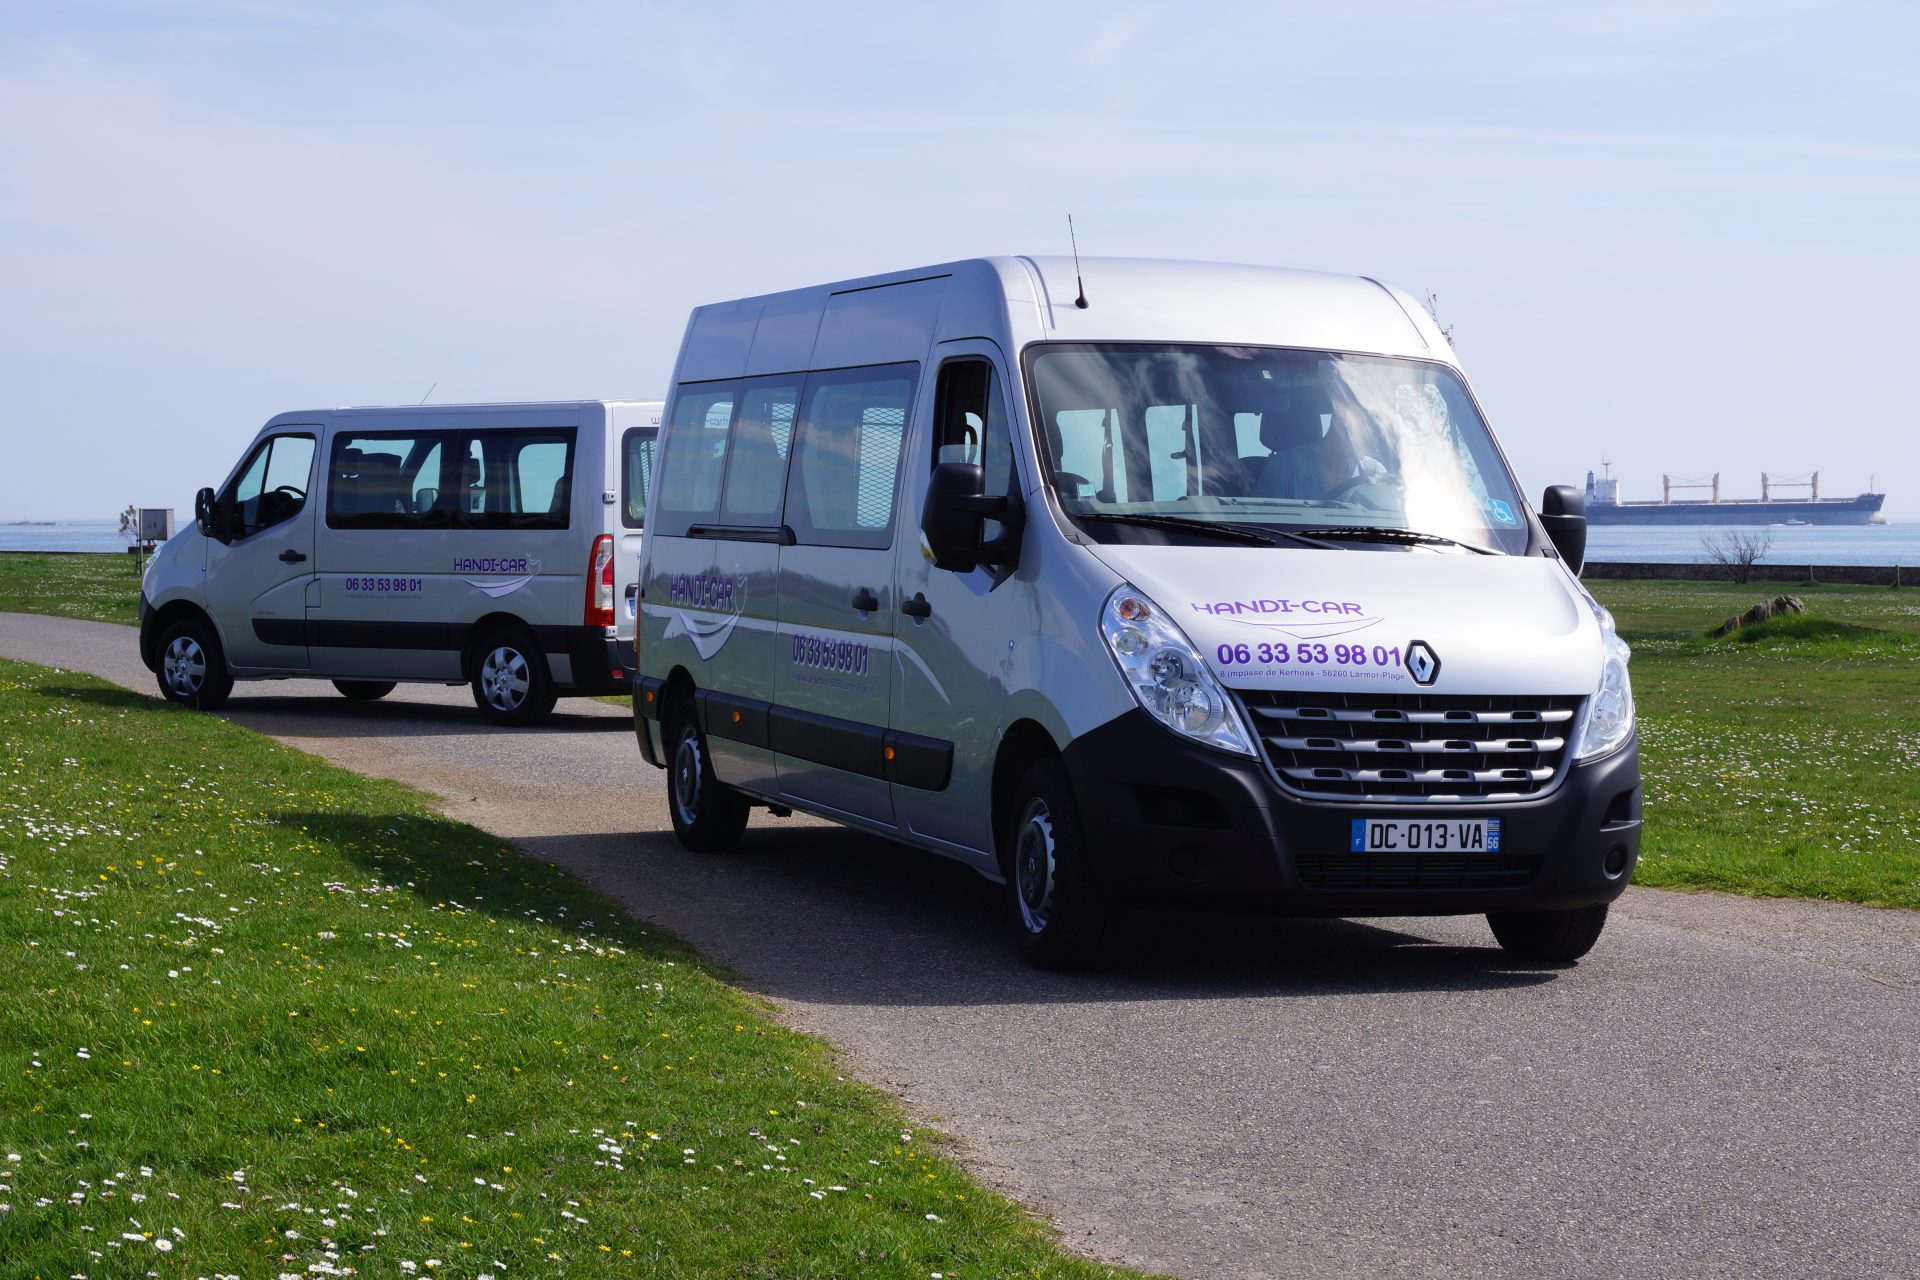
(1081, 301)
(423, 399)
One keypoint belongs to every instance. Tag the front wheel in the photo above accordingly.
(708, 815)
(1056, 914)
(364, 690)
(1554, 937)
(193, 668)
(511, 684)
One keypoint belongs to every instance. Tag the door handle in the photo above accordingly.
(864, 601)
(291, 556)
(918, 607)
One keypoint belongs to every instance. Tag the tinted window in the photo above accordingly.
(636, 466)
(757, 455)
(696, 448)
(272, 487)
(386, 480)
(516, 479)
(847, 464)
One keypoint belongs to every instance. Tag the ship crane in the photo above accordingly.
(1811, 484)
(1667, 486)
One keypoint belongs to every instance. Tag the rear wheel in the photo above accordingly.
(193, 668)
(1055, 912)
(511, 684)
(364, 690)
(1551, 936)
(708, 815)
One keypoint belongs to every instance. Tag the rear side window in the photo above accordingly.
(387, 480)
(637, 448)
(840, 490)
(515, 479)
(696, 457)
(511, 479)
(757, 457)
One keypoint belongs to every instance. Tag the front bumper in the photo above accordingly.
(149, 640)
(1167, 818)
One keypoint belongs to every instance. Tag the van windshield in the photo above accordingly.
(1347, 447)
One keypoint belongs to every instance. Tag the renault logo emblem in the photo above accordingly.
(1423, 664)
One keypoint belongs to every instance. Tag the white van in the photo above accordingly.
(1207, 582)
(485, 544)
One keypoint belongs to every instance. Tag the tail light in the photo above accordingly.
(600, 582)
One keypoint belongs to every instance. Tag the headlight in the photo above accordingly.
(1610, 711)
(1167, 676)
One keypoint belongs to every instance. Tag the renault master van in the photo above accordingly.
(489, 544)
(1196, 582)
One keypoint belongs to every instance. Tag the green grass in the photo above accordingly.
(102, 588)
(266, 1015)
(1782, 760)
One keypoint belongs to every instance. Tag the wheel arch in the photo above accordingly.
(166, 616)
(490, 624)
(1023, 742)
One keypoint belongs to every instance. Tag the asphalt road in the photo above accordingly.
(1723, 1088)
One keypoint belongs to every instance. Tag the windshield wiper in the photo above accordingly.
(1262, 537)
(1403, 537)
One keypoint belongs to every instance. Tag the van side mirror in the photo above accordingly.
(953, 517)
(207, 515)
(1563, 512)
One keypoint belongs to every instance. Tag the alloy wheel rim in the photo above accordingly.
(185, 666)
(687, 768)
(1033, 865)
(504, 679)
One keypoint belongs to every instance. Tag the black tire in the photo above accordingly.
(511, 683)
(364, 690)
(1554, 937)
(708, 815)
(193, 667)
(1052, 903)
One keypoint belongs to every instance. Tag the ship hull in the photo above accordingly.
(1864, 509)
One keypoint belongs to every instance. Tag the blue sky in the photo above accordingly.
(1679, 235)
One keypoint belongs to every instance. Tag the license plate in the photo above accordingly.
(1425, 835)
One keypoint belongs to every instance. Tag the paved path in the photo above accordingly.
(1724, 1088)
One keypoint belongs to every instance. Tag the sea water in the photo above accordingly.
(1895, 542)
(64, 535)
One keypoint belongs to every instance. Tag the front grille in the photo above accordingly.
(1385, 872)
(1413, 748)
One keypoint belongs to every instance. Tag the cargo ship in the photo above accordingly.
(1604, 505)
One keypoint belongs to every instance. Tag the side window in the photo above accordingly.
(1172, 450)
(696, 456)
(272, 487)
(757, 456)
(636, 466)
(1246, 436)
(542, 479)
(517, 478)
(971, 425)
(386, 480)
(1085, 462)
(840, 490)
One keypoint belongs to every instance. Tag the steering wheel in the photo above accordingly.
(293, 494)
